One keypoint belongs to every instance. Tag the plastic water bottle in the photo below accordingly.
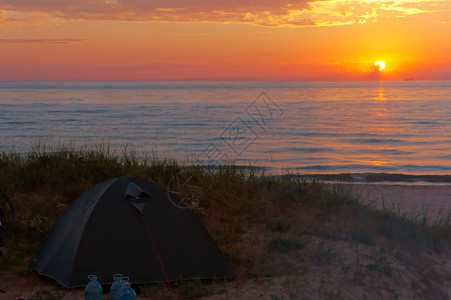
(127, 293)
(123, 280)
(115, 287)
(121, 286)
(93, 290)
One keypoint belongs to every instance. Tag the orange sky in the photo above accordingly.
(224, 40)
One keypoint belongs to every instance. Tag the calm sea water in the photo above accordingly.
(325, 127)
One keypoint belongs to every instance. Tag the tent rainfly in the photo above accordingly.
(129, 226)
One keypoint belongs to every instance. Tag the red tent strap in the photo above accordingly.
(155, 248)
(28, 278)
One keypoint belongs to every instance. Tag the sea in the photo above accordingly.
(390, 127)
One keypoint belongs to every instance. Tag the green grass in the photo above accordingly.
(44, 294)
(193, 289)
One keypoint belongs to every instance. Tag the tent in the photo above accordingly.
(129, 226)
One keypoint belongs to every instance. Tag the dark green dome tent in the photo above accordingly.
(129, 226)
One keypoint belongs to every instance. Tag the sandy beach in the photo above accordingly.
(435, 200)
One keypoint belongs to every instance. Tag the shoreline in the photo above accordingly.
(382, 178)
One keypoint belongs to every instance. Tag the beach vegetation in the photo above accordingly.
(284, 225)
(284, 245)
(47, 295)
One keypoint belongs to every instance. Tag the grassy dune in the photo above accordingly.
(286, 237)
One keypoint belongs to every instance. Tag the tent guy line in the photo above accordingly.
(155, 248)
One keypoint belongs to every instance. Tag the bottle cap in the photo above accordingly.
(117, 276)
(92, 277)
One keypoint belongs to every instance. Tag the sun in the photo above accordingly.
(380, 64)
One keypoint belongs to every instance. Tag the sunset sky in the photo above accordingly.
(224, 40)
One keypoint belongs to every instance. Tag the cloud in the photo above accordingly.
(41, 41)
(258, 12)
